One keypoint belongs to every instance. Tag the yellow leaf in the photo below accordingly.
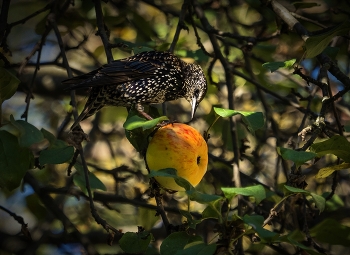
(327, 171)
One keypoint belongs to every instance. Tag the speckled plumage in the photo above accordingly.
(146, 78)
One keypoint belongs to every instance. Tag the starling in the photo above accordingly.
(146, 78)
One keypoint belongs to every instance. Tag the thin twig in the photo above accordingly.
(180, 25)
(102, 30)
(20, 220)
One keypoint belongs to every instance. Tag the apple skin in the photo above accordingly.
(178, 146)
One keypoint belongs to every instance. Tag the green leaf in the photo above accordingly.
(273, 66)
(202, 198)
(256, 221)
(183, 183)
(8, 84)
(192, 223)
(14, 161)
(138, 122)
(198, 55)
(290, 189)
(135, 243)
(253, 120)
(304, 5)
(192, 193)
(171, 173)
(257, 191)
(336, 145)
(27, 133)
(138, 130)
(213, 210)
(335, 203)
(167, 172)
(36, 207)
(298, 157)
(49, 136)
(316, 44)
(135, 47)
(332, 232)
(294, 238)
(142, 25)
(198, 248)
(347, 128)
(138, 139)
(79, 179)
(331, 52)
(56, 155)
(176, 242)
(327, 171)
(320, 201)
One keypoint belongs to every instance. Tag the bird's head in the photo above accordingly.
(195, 86)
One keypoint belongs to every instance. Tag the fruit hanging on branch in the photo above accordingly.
(181, 147)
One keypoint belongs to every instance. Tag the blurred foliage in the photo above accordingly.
(276, 117)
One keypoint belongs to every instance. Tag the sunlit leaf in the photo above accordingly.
(257, 191)
(138, 122)
(137, 129)
(273, 66)
(253, 120)
(327, 171)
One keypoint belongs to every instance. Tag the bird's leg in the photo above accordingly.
(141, 109)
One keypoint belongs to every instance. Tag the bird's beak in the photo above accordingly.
(194, 107)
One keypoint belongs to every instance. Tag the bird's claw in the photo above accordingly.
(77, 136)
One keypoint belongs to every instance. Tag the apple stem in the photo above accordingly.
(212, 124)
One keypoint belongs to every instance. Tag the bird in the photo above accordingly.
(150, 77)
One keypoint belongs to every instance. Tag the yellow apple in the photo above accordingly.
(178, 146)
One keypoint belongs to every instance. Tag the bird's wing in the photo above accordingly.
(117, 72)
